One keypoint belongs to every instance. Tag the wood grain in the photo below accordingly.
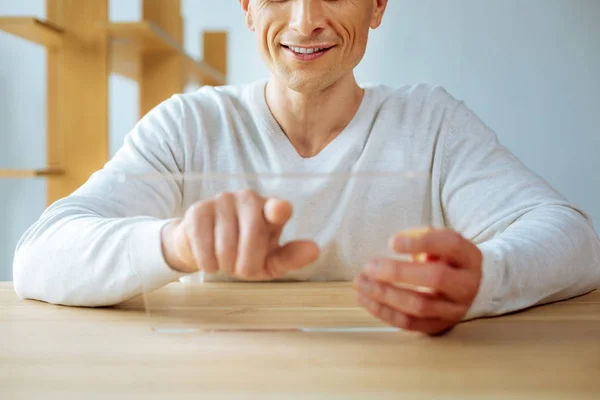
(549, 352)
(29, 173)
(215, 54)
(34, 30)
(199, 72)
(77, 94)
(162, 74)
(131, 41)
(83, 48)
(144, 37)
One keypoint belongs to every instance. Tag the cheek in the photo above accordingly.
(354, 36)
(268, 39)
(356, 46)
(265, 40)
(361, 32)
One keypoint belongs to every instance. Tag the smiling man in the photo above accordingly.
(510, 241)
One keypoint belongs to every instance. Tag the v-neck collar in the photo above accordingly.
(341, 143)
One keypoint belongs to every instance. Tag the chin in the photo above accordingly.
(308, 83)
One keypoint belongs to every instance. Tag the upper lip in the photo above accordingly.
(318, 46)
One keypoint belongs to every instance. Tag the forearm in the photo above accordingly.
(551, 253)
(73, 256)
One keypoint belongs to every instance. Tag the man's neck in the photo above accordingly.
(312, 120)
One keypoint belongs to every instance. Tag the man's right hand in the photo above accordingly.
(237, 234)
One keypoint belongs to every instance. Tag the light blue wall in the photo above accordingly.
(530, 69)
(22, 130)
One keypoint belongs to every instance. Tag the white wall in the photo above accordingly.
(530, 69)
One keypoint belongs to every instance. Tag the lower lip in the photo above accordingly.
(306, 57)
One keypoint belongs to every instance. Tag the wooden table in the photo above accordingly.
(550, 352)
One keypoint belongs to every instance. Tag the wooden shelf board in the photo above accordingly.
(29, 173)
(125, 61)
(130, 40)
(198, 71)
(144, 36)
(34, 30)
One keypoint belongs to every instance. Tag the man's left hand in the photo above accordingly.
(432, 293)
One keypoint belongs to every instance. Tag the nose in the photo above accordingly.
(308, 17)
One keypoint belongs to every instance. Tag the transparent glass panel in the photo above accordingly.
(350, 217)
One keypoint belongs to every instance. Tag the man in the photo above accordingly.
(510, 241)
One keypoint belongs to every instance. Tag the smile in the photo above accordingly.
(307, 53)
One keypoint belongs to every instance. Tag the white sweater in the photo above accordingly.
(86, 249)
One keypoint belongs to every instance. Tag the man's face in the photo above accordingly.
(311, 44)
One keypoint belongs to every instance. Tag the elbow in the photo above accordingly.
(61, 260)
(596, 262)
(585, 257)
(24, 275)
(582, 246)
(38, 276)
(590, 247)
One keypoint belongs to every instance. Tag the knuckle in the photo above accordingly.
(455, 241)
(247, 195)
(395, 271)
(192, 212)
(224, 197)
(439, 276)
(195, 234)
(377, 290)
(401, 321)
(201, 209)
(409, 323)
(190, 228)
(427, 241)
(419, 306)
(379, 310)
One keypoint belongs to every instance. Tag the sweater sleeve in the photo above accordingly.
(101, 245)
(537, 247)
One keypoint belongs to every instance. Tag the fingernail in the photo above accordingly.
(420, 258)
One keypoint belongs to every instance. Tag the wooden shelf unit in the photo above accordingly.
(83, 49)
(131, 40)
(34, 30)
(29, 173)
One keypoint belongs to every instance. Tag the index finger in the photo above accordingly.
(277, 213)
(446, 244)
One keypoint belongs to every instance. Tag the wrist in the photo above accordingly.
(169, 248)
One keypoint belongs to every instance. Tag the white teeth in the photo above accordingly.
(301, 50)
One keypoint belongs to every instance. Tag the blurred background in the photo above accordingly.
(529, 68)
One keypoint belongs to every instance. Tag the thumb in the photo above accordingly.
(292, 256)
